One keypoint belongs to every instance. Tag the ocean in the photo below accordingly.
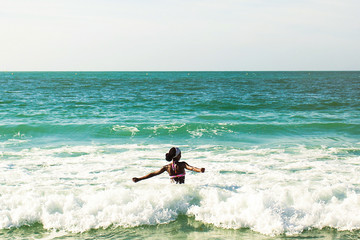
(281, 152)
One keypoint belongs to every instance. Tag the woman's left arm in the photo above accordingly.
(195, 169)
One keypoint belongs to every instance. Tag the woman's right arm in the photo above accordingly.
(163, 169)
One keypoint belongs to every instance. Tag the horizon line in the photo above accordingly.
(6, 71)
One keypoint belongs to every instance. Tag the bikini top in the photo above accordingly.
(173, 166)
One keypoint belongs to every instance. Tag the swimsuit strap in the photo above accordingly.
(173, 166)
(180, 175)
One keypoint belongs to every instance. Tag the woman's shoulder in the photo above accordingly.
(167, 166)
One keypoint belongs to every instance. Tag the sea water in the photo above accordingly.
(281, 152)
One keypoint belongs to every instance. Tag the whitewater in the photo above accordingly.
(271, 191)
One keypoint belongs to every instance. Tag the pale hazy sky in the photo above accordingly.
(179, 35)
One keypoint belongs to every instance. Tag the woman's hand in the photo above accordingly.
(135, 179)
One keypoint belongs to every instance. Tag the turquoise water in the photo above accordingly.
(281, 152)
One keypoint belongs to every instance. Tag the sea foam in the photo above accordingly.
(269, 190)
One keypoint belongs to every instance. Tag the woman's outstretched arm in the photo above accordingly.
(195, 169)
(163, 169)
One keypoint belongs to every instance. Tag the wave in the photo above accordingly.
(275, 211)
(186, 130)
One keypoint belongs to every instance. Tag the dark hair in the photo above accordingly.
(171, 154)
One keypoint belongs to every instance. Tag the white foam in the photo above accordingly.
(199, 132)
(121, 128)
(278, 210)
(170, 128)
(271, 191)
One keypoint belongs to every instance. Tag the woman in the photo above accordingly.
(175, 169)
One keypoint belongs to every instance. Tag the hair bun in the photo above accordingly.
(170, 155)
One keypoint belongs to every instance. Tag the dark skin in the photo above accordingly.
(179, 169)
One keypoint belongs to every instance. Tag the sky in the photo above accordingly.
(179, 35)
